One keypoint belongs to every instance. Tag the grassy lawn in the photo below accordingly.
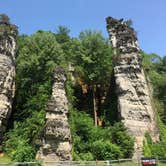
(162, 164)
(134, 164)
(125, 164)
(115, 164)
(4, 159)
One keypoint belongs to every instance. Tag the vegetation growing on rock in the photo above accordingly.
(96, 130)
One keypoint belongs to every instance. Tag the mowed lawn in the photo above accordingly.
(133, 164)
(4, 159)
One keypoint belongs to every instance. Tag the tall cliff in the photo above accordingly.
(57, 137)
(8, 35)
(134, 103)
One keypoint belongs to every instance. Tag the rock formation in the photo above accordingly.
(134, 103)
(57, 138)
(8, 35)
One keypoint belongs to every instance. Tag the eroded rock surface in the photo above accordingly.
(8, 35)
(134, 103)
(57, 137)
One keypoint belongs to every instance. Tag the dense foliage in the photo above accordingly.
(37, 57)
(96, 132)
(92, 143)
(155, 68)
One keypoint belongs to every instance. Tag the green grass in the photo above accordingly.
(7, 162)
(5, 159)
(134, 164)
(162, 164)
(125, 164)
(128, 163)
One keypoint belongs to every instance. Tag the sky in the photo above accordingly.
(148, 16)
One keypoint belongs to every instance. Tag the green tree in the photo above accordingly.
(104, 150)
(154, 66)
(62, 34)
(90, 142)
(95, 65)
(37, 57)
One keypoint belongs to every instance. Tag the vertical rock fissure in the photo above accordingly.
(8, 33)
(134, 101)
(57, 137)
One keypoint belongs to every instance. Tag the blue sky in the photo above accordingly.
(149, 17)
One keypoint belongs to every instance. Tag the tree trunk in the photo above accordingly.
(94, 105)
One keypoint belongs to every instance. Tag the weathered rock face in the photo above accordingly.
(7, 73)
(134, 103)
(57, 138)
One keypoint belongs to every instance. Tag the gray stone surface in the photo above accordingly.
(57, 137)
(7, 74)
(134, 100)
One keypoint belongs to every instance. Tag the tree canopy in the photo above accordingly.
(95, 132)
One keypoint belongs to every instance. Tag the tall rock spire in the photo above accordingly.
(134, 103)
(8, 35)
(57, 137)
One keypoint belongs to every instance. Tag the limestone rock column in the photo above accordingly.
(134, 103)
(57, 137)
(8, 35)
